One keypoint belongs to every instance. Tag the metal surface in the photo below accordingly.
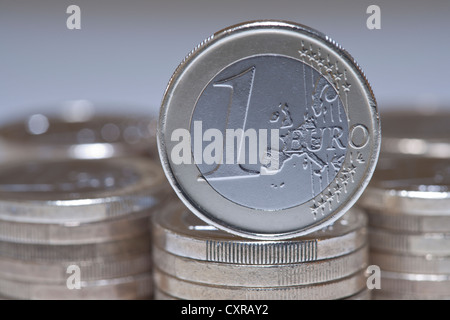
(190, 290)
(56, 272)
(179, 232)
(103, 231)
(416, 134)
(421, 244)
(132, 287)
(72, 253)
(419, 264)
(413, 186)
(408, 223)
(229, 274)
(322, 104)
(78, 191)
(408, 283)
(77, 130)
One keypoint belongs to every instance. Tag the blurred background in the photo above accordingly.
(126, 51)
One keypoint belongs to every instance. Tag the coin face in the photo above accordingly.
(268, 130)
(312, 140)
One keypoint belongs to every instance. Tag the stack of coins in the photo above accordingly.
(78, 132)
(77, 229)
(416, 133)
(193, 260)
(409, 217)
(277, 219)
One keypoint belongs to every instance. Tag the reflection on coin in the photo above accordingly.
(420, 264)
(385, 295)
(103, 231)
(305, 122)
(78, 191)
(178, 231)
(228, 274)
(408, 283)
(132, 287)
(421, 244)
(416, 134)
(55, 271)
(190, 290)
(365, 294)
(416, 186)
(79, 131)
(408, 223)
(160, 295)
(39, 252)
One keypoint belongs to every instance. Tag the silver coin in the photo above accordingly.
(260, 77)
(38, 233)
(408, 223)
(413, 186)
(70, 253)
(408, 263)
(78, 191)
(78, 132)
(178, 231)
(228, 274)
(56, 272)
(417, 244)
(416, 133)
(385, 295)
(195, 291)
(410, 283)
(365, 294)
(160, 295)
(128, 288)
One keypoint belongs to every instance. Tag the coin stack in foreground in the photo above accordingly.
(409, 217)
(77, 229)
(193, 260)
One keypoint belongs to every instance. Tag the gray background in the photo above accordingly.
(126, 51)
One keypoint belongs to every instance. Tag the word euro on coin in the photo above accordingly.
(269, 130)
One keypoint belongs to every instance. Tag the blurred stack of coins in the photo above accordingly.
(76, 196)
(407, 203)
(78, 130)
(193, 260)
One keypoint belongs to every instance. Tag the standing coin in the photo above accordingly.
(269, 130)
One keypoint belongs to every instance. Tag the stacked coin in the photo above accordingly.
(193, 260)
(78, 131)
(409, 217)
(415, 133)
(77, 229)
